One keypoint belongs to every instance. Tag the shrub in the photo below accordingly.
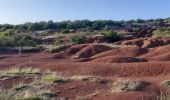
(167, 83)
(65, 31)
(16, 40)
(111, 36)
(78, 39)
(162, 32)
(128, 85)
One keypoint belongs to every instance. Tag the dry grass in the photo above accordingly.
(163, 96)
(40, 95)
(166, 83)
(83, 77)
(20, 86)
(18, 70)
(36, 90)
(127, 85)
(87, 96)
(52, 78)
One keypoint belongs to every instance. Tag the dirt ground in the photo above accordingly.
(151, 65)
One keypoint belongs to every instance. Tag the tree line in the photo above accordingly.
(77, 24)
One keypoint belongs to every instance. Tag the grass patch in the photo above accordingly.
(80, 77)
(52, 78)
(163, 96)
(36, 90)
(18, 70)
(85, 78)
(167, 83)
(21, 87)
(128, 85)
(40, 95)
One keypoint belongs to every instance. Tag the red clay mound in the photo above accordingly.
(74, 49)
(146, 42)
(69, 51)
(128, 52)
(119, 59)
(136, 42)
(157, 51)
(163, 57)
(151, 43)
(166, 40)
(91, 50)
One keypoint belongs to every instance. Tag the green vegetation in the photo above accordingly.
(15, 72)
(52, 78)
(40, 86)
(11, 39)
(77, 32)
(18, 70)
(111, 36)
(78, 39)
(20, 87)
(40, 95)
(162, 32)
(77, 24)
(33, 90)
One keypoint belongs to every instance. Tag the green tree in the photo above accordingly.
(111, 36)
(78, 39)
(23, 40)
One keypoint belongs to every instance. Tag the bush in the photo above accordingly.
(128, 85)
(78, 39)
(167, 83)
(111, 36)
(162, 32)
(9, 39)
(65, 31)
(6, 41)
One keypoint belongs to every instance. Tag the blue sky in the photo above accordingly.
(20, 11)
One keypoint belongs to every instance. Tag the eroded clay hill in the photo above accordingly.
(146, 42)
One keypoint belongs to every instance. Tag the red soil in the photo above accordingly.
(129, 51)
(73, 90)
(92, 50)
(82, 51)
(118, 59)
(101, 61)
(146, 42)
(158, 54)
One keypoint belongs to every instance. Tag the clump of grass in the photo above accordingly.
(80, 77)
(163, 96)
(30, 70)
(52, 78)
(7, 95)
(20, 87)
(40, 95)
(167, 83)
(85, 78)
(7, 76)
(128, 85)
(18, 70)
(36, 90)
